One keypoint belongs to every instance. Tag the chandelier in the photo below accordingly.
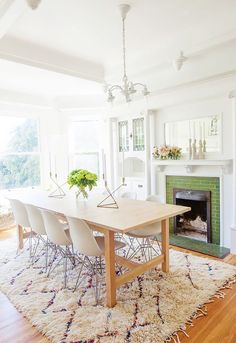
(128, 88)
(33, 4)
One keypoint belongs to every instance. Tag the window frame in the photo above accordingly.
(73, 152)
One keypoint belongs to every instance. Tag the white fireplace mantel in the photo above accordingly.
(189, 165)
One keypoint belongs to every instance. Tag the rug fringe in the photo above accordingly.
(201, 311)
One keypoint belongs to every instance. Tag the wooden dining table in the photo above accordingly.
(131, 215)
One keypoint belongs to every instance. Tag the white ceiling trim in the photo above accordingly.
(31, 54)
(195, 83)
(10, 11)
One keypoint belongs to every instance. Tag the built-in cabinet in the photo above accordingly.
(131, 135)
(132, 154)
(123, 131)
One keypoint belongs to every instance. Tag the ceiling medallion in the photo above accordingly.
(33, 4)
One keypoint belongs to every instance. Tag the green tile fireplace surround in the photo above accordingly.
(211, 184)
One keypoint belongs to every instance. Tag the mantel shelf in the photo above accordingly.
(190, 164)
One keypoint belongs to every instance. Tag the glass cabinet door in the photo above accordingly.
(123, 135)
(138, 134)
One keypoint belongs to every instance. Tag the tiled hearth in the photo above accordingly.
(206, 184)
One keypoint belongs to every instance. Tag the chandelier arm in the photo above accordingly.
(115, 87)
(139, 84)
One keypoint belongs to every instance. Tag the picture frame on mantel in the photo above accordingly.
(208, 128)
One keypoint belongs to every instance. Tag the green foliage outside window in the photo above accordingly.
(21, 170)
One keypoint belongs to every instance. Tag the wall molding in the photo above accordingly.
(194, 83)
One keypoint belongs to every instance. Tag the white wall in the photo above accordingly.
(195, 109)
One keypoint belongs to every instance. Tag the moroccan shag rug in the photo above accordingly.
(151, 309)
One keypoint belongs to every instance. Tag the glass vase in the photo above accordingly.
(80, 196)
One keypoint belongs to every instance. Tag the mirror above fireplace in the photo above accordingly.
(205, 128)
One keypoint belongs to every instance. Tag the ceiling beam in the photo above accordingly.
(19, 51)
(28, 53)
(10, 11)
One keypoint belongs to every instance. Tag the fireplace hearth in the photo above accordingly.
(195, 224)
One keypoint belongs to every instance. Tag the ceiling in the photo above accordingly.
(27, 79)
(91, 31)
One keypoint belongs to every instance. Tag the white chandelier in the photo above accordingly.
(128, 88)
(33, 4)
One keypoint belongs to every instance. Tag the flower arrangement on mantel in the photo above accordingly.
(166, 152)
(84, 180)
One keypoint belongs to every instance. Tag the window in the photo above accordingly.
(123, 136)
(138, 134)
(85, 144)
(19, 152)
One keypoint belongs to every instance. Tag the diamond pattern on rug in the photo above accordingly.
(150, 309)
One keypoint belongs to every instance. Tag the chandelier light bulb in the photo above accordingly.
(131, 88)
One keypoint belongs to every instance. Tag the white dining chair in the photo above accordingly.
(129, 195)
(60, 237)
(38, 227)
(141, 240)
(22, 222)
(91, 247)
(154, 198)
(126, 195)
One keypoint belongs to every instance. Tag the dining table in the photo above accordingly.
(130, 215)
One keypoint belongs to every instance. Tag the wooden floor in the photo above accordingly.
(218, 327)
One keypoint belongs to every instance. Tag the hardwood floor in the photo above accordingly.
(220, 323)
(218, 326)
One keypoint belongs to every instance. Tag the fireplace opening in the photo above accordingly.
(196, 223)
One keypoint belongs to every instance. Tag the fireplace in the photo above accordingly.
(196, 223)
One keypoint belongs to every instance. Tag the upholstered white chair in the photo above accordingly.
(22, 222)
(57, 235)
(140, 239)
(126, 195)
(88, 245)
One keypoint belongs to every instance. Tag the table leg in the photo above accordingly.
(165, 244)
(110, 268)
(20, 237)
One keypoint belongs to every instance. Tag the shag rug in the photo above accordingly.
(151, 309)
